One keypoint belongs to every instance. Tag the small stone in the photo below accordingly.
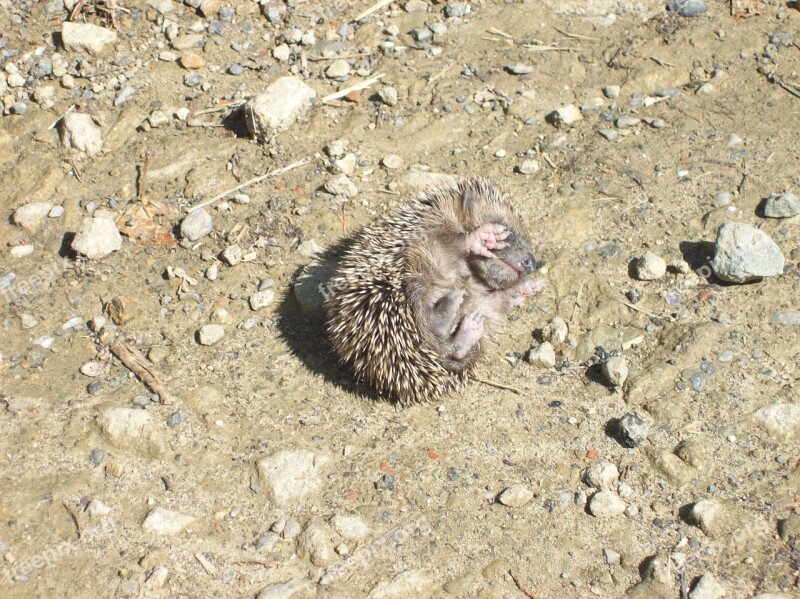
(295, 587)
(615, 370)
(611, 556)
(606, 504)
(566, 116)
(707, 588)
(122, 309)
(315, 543)
(338, 69)
(157, 118)
(350, 526)
(97, 508)
(31, 216)
(786, 319)
(220, 316)
(92, 369)
(291, 529)
(56, 212)
(710, 516)
(609, 134)
(627, 121)
(210, 334)
(283, 102)
(519, 69)
(28, 321)
(632, 430)
(687, 8)
(346, 165)
(528, 167)
(611, 91)
(744, 253)
(388, 96)
(232, 255)
(191, 61)
(556, 330)
(78, 130)
(186, 42)
(603, 475)
(20, 251)
(781, 420)
(262, 299)
(543, 356)
(166, 522)
(132, 429)
(85, 37)
(197, 224)
(212, 272)
(97, 238)
(236, 70)
(649, 267)
(341, 185)
(515, 496)
(291, 474)
(782, 205)
(412, 583)
(392, 161)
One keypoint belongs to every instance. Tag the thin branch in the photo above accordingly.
(374, 8)
(353, 88)
(498, 385)
(576, 36)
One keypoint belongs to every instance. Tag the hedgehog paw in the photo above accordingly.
(468, 334)
(485, 238)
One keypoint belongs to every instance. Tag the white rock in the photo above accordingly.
(78, 130)
(97, 238)
(416, 181)
(262, 299)
(341, 185)
(412, 583)
(28, 321)
(296, 587)
(707, 588)
(649, 267)
(97, 508)
(338, 69)
(529, 167)
(388, 95)
(282, 53)
(232, 255)
(210, 334)
(744, 253)
(310, 249)
(606, 504)
(158, 578)
(346, 164)
(281, 104)
(132, 429)
(710, 516)
(166, 522)
(781, 420)
(336, 148)
(543, 356)
(557, 330)
(56, 212)
(290, 474)
(157, 118)
(392, 161)
(162, 6)
(84, 37)
(350, 526)
(603, 475)
(611, 91)
(315, 543)
(515, 496)
(198, 223)
(30, 216)
(566, 116)
(212, 272)
(92, 369)
(615, 370)
(20, 251)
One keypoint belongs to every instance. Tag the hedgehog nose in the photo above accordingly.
(529, 263)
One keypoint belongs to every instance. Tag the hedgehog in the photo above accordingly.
(418, 295)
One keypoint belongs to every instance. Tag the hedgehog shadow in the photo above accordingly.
(304, 331)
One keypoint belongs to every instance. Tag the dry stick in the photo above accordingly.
(353, 88)
(576, 36)
(74, 515)
(548, 48)
(252, 181)
(220, 108)
(498, 385)
(143, 176)
(338, 56)
(645, 312)
(374, 8)
(521, 585)
(76, 9)
(133, 359)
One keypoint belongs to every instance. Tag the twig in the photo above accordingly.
(210, 568)
(249, 182)
(133, 359)
(645, 312)
(269, 563)
(576, 36)
(353, 88)
(76, 10)
(521, 585)
(495, 31)
(74, 515)
(498, 385)
(58, 120)
(338, 56)
(548, 48)
(733, 8)
(77, 171)
(374, 8)
(661, 63)
(143, 176)
(220, 108)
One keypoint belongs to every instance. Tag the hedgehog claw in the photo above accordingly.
(487, 237)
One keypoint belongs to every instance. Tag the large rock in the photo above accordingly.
(30, 216)
(744, 253)
(781, 420)
(85, 37)
(782, 205)
(134, 430)
(78, 130)
(166, 522)
(281, 104)
(412, 583)
(291, 473)
(97, 238)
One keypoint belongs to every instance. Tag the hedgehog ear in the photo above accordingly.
(469, 199)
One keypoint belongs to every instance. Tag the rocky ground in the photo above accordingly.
(172, 421)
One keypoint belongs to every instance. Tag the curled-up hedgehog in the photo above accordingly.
(420, 292)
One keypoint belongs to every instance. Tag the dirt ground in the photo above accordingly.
(704, 355)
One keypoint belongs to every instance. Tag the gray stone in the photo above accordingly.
(281, 104)
(632, 430)
(603, 475)
(316, 543)
(30, 216)
(79, 131)
(133, 429)
(290, 474)
(294, 588)
(262, 299)
(341, 185)
(649, 267)
(711, 517)
(543, 356)
(97, 238)
(566, 116)
(166, 522)
(232, 255)
(313, 286)
(519, 69)
(615, 370)
(338, 69)
(350, 526)
(388, 95)
(744, 253)
(528, 167)
(782, 205)
(392, 161)
(515, 496)
(197, 224)
(162, 6)
(210, 334)
(606, 504)
(85, 37)
(707, 588)
(611, 91)
(781, 420)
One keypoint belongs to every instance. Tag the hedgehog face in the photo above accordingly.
(509, 266)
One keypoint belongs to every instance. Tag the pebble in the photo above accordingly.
(197, 224)
(519, 69)
(606, 504)
(341, 185)
(710, 516)
(566, 116)
(97, 456)
(97, 508)
(314, 543)
(290, 474)
(31, 216)
(627, 121)
(338, 69)
(188, 41)
(294, 587)
(56, 212)
(291, 529)
(28, 321)
(688, 8)
(232, 255)
(543, 356)
(97, 238)
(79, 131)
(212, 272)
(350, 526)
(744, 253)
(282, 103)
(723, 198)
(123, 309)
(85, 37)
(132, 429)
(632, 430)
(528, 167)
(615, 370)
(786, 319)
(782, 205)
(611, 91)
(411, 583)
(707, 588)
(612, 557)
(210, 334)
(18, 108)
(515, 496)
(92, 369)
(192, 61)
(649, 267)
(781, 420)
(388, 96)
(166, 522)
(262, 299)
(602, 475)
(392, 161)
(20, 251)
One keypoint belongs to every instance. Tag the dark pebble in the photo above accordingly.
(94, 387)
(632, 431)
(176, 419)
(97, 456)
(386, 482)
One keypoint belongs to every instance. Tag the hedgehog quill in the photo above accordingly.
(422, 291)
